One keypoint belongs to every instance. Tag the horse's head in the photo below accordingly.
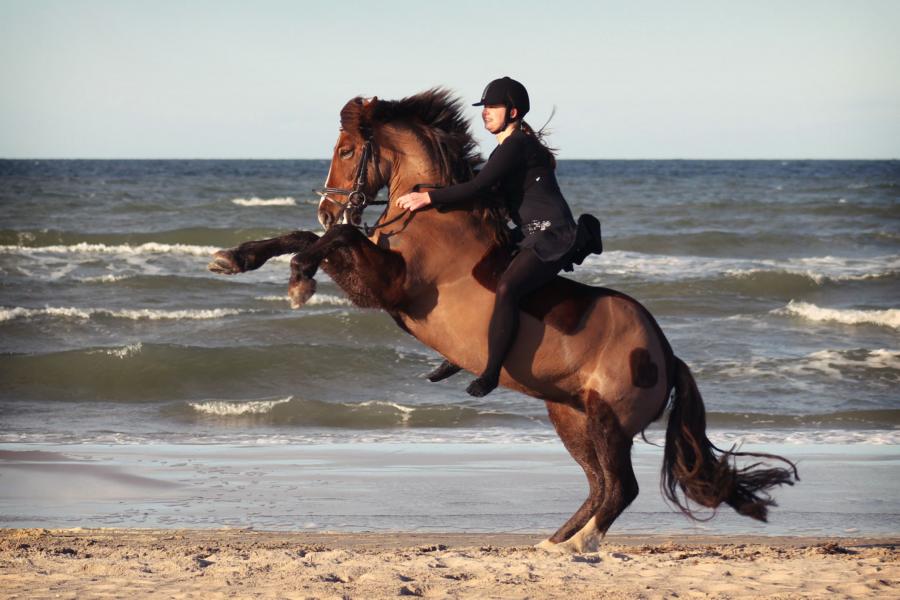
(355, 175)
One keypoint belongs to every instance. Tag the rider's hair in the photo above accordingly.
(540, 135)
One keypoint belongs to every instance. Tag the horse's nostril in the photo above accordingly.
(326, 220)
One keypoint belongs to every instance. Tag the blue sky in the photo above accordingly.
(266, 79)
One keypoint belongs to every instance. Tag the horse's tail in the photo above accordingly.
(707, 475)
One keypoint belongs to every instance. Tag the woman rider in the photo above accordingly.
(523, 169)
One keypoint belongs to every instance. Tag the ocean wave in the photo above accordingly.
(122, 249)
(138, 314)
(495, 435)
(124, 351)
(316, 300)
(221, 408)
(285, 201)
(818, 269)
(853, 364)
(200, 236)
(108, 278)
(885, 318)
(371, 414)
(839, 420)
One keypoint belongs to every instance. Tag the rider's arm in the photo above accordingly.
(503, 161)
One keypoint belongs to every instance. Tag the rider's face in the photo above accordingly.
(494, 117)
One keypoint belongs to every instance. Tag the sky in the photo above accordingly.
(629, 80)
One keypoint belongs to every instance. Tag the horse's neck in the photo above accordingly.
(436, 245)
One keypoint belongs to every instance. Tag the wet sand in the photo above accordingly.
(457, 488)
(133, 563)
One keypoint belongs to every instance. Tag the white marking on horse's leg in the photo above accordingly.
(547, 545)
(301, 291)
(586, 539)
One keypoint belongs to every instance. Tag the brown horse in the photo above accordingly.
(595, 356)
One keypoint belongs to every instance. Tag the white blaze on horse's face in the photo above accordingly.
(324, 216)
(340, 175)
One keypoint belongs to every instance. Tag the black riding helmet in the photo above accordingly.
(506, 91)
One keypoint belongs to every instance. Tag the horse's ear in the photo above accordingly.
(367, 116)
(358, 115)
(350, 115)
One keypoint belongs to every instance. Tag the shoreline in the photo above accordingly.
(844, 491)
(100, 563)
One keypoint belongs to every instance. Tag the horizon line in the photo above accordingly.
(559, 159)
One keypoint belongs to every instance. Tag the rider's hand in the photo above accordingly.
(414, 201)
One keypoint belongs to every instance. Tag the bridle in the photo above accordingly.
(357, 199)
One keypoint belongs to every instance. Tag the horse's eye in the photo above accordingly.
(346, 152)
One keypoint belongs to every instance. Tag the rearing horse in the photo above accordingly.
(595, 356)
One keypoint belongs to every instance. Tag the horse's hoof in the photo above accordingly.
(547, 545)
(301, 291)
(225, 263)
(574, 545)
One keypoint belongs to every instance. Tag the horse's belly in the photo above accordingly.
(614, 351)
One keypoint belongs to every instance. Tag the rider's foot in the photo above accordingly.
(443, 371)
(481, 386)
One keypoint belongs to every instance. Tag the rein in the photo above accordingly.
(357, 199)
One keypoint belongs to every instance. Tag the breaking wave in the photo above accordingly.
(372, 414)
(885, 318)
(317, 299)
(137, 314)
(285, 201)
(129, 249)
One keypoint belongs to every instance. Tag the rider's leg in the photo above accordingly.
(524, 274)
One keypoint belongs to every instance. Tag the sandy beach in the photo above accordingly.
(116, 563)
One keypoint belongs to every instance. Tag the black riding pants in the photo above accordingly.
(525, 273)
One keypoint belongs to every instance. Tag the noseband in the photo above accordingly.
(357, 200)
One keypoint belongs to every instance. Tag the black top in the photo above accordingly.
(523, 171)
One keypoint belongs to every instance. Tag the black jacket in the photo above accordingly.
(522, 170)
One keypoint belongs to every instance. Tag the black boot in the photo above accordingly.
(482, 386)
(443, 371)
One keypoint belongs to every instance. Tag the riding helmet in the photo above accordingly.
(506, 91)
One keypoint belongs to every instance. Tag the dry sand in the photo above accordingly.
(129, 563)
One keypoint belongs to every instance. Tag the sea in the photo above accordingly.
(776, 281)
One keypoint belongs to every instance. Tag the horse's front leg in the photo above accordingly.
(252, 255)
(371, 276)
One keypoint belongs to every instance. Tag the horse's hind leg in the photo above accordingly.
(571, 425)
(252, 255)
(613, 450)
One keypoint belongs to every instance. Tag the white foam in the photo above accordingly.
(833, 364)
(109, 278)
(285, 201)
(885, 318)
(317, 299)
(127, 249)
(819, 269)
(829, 360)
(492, 435)
(8, 314)
(150, 314)
(124, 351)
(328, 299)
(221, 408)
(405, 411)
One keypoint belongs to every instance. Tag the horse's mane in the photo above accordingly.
(435, 116)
